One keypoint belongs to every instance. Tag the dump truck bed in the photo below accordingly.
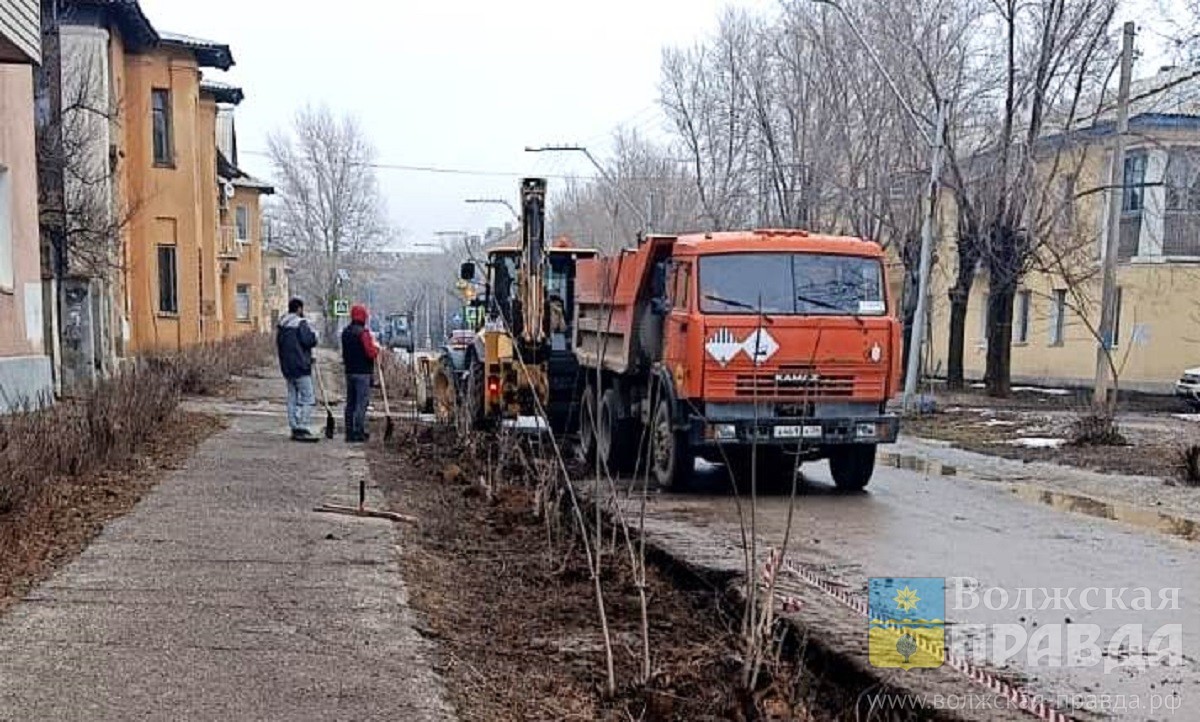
(610, 302)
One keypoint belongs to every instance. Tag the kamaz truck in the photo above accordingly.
(776, 341)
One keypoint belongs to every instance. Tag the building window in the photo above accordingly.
(1024, 306)
(242, 221)
(160, 110)
(242, 302)
(273, 276)
(1058, 317)
(168, 281)
(1133, 195)
(8, 279)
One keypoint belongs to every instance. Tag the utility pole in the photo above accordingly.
(1116, 182)
(917, 332)
(916, 351)
(428, 328)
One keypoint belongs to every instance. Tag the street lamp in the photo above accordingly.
(599, 168)
(936, 145)
(496, 201)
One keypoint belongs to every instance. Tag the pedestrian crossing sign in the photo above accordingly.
(341, 308)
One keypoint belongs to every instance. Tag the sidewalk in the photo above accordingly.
(223, 596)
(1137, 492)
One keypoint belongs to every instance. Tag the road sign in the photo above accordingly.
(341, 308)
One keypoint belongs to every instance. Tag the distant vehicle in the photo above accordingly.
(1188, 387)
(397, 332)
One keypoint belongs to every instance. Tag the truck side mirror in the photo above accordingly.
(467, 271)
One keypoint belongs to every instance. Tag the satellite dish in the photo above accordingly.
(228, 189)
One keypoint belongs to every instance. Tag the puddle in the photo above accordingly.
(916, 463)
(1175, 526)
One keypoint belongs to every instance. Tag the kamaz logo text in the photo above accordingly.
(797, 378)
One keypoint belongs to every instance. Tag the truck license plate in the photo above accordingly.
(787, 432)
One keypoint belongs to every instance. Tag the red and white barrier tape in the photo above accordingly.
(1018, 697)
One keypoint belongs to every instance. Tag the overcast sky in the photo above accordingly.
(460, 84)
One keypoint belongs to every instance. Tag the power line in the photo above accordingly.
(482, 173)
(443, 170)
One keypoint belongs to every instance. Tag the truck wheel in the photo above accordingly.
(611, 439)
(852, 466)
(587, 426)
(671, 459)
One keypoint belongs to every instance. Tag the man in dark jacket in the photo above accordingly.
(295, 341)
(359, 352)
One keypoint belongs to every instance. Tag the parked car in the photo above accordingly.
(1188, 387)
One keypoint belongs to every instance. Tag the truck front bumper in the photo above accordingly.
(790, 433)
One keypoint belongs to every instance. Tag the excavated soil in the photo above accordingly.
(514, 616)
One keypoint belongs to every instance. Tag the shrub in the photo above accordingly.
(106, 427)
(1095, 429)
(1188, 465)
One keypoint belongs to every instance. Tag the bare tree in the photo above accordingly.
(1053, 54)
(594, 213)
(329, 211)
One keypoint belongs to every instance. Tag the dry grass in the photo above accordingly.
(106, 427)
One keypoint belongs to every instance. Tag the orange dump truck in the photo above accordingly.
(713, 342)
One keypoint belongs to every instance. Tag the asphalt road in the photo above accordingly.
(922, 523)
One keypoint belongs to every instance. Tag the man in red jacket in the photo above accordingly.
(359, 352)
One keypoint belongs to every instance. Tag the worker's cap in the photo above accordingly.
(358, 313)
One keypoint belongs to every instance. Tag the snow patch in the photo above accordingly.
(998, 422)
(1038, 442)
(1187, 417)
(1046, 392)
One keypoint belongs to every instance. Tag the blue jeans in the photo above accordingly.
(300, 402)
(358, 395)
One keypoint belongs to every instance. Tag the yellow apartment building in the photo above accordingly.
(189, 266)
(1158, 273)
(276, 285)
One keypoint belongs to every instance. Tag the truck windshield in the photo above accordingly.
(804, 284)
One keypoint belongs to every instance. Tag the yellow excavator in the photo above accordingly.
(520, 360)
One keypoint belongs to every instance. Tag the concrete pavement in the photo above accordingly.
(223, 596)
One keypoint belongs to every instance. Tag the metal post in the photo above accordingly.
(917, 334)
(1113, 241)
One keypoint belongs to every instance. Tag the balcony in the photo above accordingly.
(227, 246)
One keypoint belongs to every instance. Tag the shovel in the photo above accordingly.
(389, 428)
(330, 424)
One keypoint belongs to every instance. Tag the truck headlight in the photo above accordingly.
(866, 431)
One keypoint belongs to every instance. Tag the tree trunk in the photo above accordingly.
(960, 299)
(958, 334)
(999, 338)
